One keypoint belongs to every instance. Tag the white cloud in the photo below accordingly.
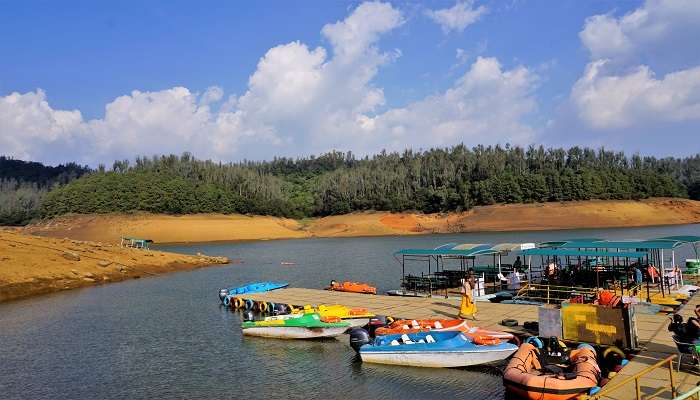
(614, 101)
(618, 89)
(27, 123)
(655, 23)
(486, 105)
(299, 100)
(458, 17)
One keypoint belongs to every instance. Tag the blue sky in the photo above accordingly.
(95, 81)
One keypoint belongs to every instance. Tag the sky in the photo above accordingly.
(93, 82)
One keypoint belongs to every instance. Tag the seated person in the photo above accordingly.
(692, 327)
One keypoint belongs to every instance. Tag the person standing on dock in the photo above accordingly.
(468, 307)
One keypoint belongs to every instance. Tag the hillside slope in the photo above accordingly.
(511, 217)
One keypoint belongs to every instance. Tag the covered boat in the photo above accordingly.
(440, 325)
(295, 326)
(434, 349)
(526, 377)
(356, 317)
(353, 287)
(225, 295)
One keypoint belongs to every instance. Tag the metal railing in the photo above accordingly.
(605, 392)
(693, 393)
(552, 293)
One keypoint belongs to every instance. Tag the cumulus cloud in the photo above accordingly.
(618, 89)
(458, 17)
(644, 30)
(299, 100)
(612, 101)
(487, 104)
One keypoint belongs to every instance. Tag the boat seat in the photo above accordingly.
(394, 342)
(405, 327)
(415, 323)
(429, 339)
(421, 341)
(555, 369)
(438, 325)
(406, 339)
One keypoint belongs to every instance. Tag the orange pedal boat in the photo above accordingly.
(525, 378)
(440, 325)
(353, 287)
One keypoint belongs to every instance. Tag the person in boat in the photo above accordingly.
(517, 265)
(468, 307)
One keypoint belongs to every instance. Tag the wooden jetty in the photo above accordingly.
(653, 336)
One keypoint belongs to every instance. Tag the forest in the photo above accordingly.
(435, 180)
(23, 186)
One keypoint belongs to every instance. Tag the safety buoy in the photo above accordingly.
(249, 304)
(485, 340)
(261, 306)
(227, 301)
(271, 307)
(240, 303)
(535, 341)
(233, 302)
(613, 349)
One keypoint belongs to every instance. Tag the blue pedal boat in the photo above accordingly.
(435, 349)
(257, 287)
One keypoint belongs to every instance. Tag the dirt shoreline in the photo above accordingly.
(201, 228)
(31, 265)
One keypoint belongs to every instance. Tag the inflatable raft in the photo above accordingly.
(526, 378)
(295, 326)
(353, 287)
(442, 325)
(434, 349)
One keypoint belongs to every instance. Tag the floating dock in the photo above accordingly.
(653, 335)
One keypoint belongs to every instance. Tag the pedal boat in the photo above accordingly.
(352, 287)
(434, 350)
(356, 317)
(295, 326)
(440, 325)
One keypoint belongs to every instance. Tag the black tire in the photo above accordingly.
(509, 322)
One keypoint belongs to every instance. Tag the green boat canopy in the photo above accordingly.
(667, 243)
(583, 253)
(466, 249)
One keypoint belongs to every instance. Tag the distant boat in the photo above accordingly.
(257, 287)
(288, 263)
(296, 326)
(434, 350)
(353, 287)
(406, 293)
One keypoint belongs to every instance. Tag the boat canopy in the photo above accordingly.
(669, 242)
(583, 253)
(467, 249)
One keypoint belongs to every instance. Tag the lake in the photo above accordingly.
(168, 337)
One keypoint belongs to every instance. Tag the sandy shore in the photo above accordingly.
(511, 217)
(31, 265)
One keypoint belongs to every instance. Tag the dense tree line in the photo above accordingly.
(436, 180)
(24, 184)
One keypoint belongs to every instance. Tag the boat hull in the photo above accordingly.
(356, 322)
(293, 332)
(436, 359)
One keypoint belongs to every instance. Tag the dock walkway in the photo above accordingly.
(654, 337)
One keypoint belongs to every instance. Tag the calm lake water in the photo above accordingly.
(167, 337)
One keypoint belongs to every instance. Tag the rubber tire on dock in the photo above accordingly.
(509, 322)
